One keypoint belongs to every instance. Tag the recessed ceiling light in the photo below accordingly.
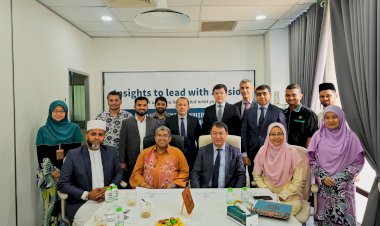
(106, 18)
(260, 17)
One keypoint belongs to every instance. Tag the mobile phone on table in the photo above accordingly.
(263, 197)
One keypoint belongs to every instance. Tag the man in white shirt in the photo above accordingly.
(88, 169)
(132, 133)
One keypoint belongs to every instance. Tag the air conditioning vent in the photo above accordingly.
(218, 26)
(129, 3)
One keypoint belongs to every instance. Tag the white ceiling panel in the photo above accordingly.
(109, 34)
(86, 15)
(73, 2)
(83, 13)
(99, 26)
(249, 2)
(183, 3)
(242, 12)
(127, 14)
(281, 24)
(296, 11)
(173, 34)
(254, 25)
(133, 27)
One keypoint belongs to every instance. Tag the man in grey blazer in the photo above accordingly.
(219, 164)
(246, 91)
(133, 130)
(88, 169)
(255, 125)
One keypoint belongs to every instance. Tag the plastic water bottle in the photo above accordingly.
(244, 195)
(119, 218)
(109, 209)
(230, 196)
(108, 195)
(115, 193)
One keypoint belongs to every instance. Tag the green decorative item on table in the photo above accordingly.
(273, 209)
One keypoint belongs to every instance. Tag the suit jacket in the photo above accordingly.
(129, 143)
(251, 137)
(193, 131)
(238, 105)
(201, 175)
(76, 175)
(231, 117)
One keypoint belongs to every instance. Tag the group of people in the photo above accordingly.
(115, 151)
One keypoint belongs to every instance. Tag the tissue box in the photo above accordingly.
(273, 209)
(236, 214)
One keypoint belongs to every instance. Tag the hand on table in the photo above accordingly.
(97, 194)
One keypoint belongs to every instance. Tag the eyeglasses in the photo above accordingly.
(276, 134)
(57, 111)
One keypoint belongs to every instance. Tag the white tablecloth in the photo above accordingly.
(210, 207)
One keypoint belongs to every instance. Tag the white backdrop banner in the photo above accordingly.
(195, 85)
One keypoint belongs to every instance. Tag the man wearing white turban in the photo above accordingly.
(88, 169)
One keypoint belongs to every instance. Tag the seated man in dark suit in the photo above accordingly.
(187, 126)
(255, 125)
(221, 111)
(88, 169)
(219, 164)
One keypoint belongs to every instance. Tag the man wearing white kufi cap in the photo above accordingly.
(87, 170)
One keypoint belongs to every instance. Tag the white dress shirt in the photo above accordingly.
(142, 131)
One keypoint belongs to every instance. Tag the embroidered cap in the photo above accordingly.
(96, 124)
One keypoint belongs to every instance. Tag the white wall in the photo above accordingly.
(7, 163)
(168, 54)
(45, 47)
(277, 62)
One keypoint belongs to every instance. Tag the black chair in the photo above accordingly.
(177, 141)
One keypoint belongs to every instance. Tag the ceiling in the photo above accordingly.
(86, 16)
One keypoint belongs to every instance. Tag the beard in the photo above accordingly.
(141, 113)
(94, 146)
(160, 110)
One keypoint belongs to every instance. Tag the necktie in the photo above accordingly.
(261, 119)
(215, 171)
(246, 105)
(183, 131)
(220, 113)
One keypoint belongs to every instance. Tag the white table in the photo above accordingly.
(210, 207)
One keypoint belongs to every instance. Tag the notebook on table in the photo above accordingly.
(273, 209)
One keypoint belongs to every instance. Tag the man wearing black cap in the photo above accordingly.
(327, 96)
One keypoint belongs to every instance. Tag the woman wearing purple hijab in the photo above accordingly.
(336, 157)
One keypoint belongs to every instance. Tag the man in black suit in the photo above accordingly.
(221, 111)
(255, 125)
(219, 164)
(246, 91)
(187, 126)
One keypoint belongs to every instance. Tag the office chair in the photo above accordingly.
(232, 140)
(177, 141)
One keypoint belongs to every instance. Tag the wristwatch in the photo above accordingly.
(173, 185)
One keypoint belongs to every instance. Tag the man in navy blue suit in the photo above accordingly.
(255, 125)
(187, 126)
(88, 169)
